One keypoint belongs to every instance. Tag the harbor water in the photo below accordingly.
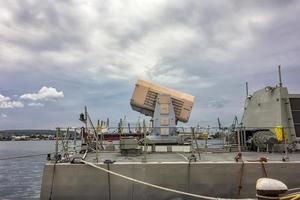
(21, 178)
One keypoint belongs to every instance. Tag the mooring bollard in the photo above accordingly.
(267, 188)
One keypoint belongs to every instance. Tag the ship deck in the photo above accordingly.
(176, 157)
(215, 174)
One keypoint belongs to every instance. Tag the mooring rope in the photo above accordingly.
(241, 179)
(294, 189)
(52, 180)
(287, 197)
(24, 156)
(150, 184)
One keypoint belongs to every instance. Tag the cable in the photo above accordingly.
(264, 170)
(267, 197)
(151, 185)
(294, 189)
(241, 179)
(24, 156)
(52, 181)
(287, 197)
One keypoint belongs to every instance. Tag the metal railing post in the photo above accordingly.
(97, 146)
(244, 136)
(145, 147)
(56, 143)
(285, 145)
(239, 139)
(74, 140)
(67, 142)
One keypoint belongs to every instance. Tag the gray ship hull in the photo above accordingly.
(218, 179)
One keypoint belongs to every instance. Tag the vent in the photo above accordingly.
(150, 100)
(177, 104)
(295, 106)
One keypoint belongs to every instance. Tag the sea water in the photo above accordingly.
(21, 178)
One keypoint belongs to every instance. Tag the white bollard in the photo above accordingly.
(267, 187)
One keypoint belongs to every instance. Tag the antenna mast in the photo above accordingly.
(279, 73)
(247, 92)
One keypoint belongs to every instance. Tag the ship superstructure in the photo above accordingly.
(272, 117)
(165, 161)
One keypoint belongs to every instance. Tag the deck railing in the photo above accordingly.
(73, 140)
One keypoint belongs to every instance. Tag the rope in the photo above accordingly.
(288, 197)
(264, 170)
(267, 197)
(151, 185)
(294, 189)
(262, 160)
(108, 181)
(241, 179)
(34, 155)
(25, 156)
(52, 181)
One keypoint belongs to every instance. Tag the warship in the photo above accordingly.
(256, 158)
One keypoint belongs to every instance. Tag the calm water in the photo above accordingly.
(21, 178)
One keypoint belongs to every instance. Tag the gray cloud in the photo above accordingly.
(95, 50)
(7, 102)
(33, 104)
(3, 115)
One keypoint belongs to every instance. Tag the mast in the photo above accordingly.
(279, 73)
(247, 92)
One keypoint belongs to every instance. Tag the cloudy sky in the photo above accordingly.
(57, 56)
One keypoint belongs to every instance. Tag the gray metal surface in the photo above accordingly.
(164, 120)
(215, 175)
(268, 108)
